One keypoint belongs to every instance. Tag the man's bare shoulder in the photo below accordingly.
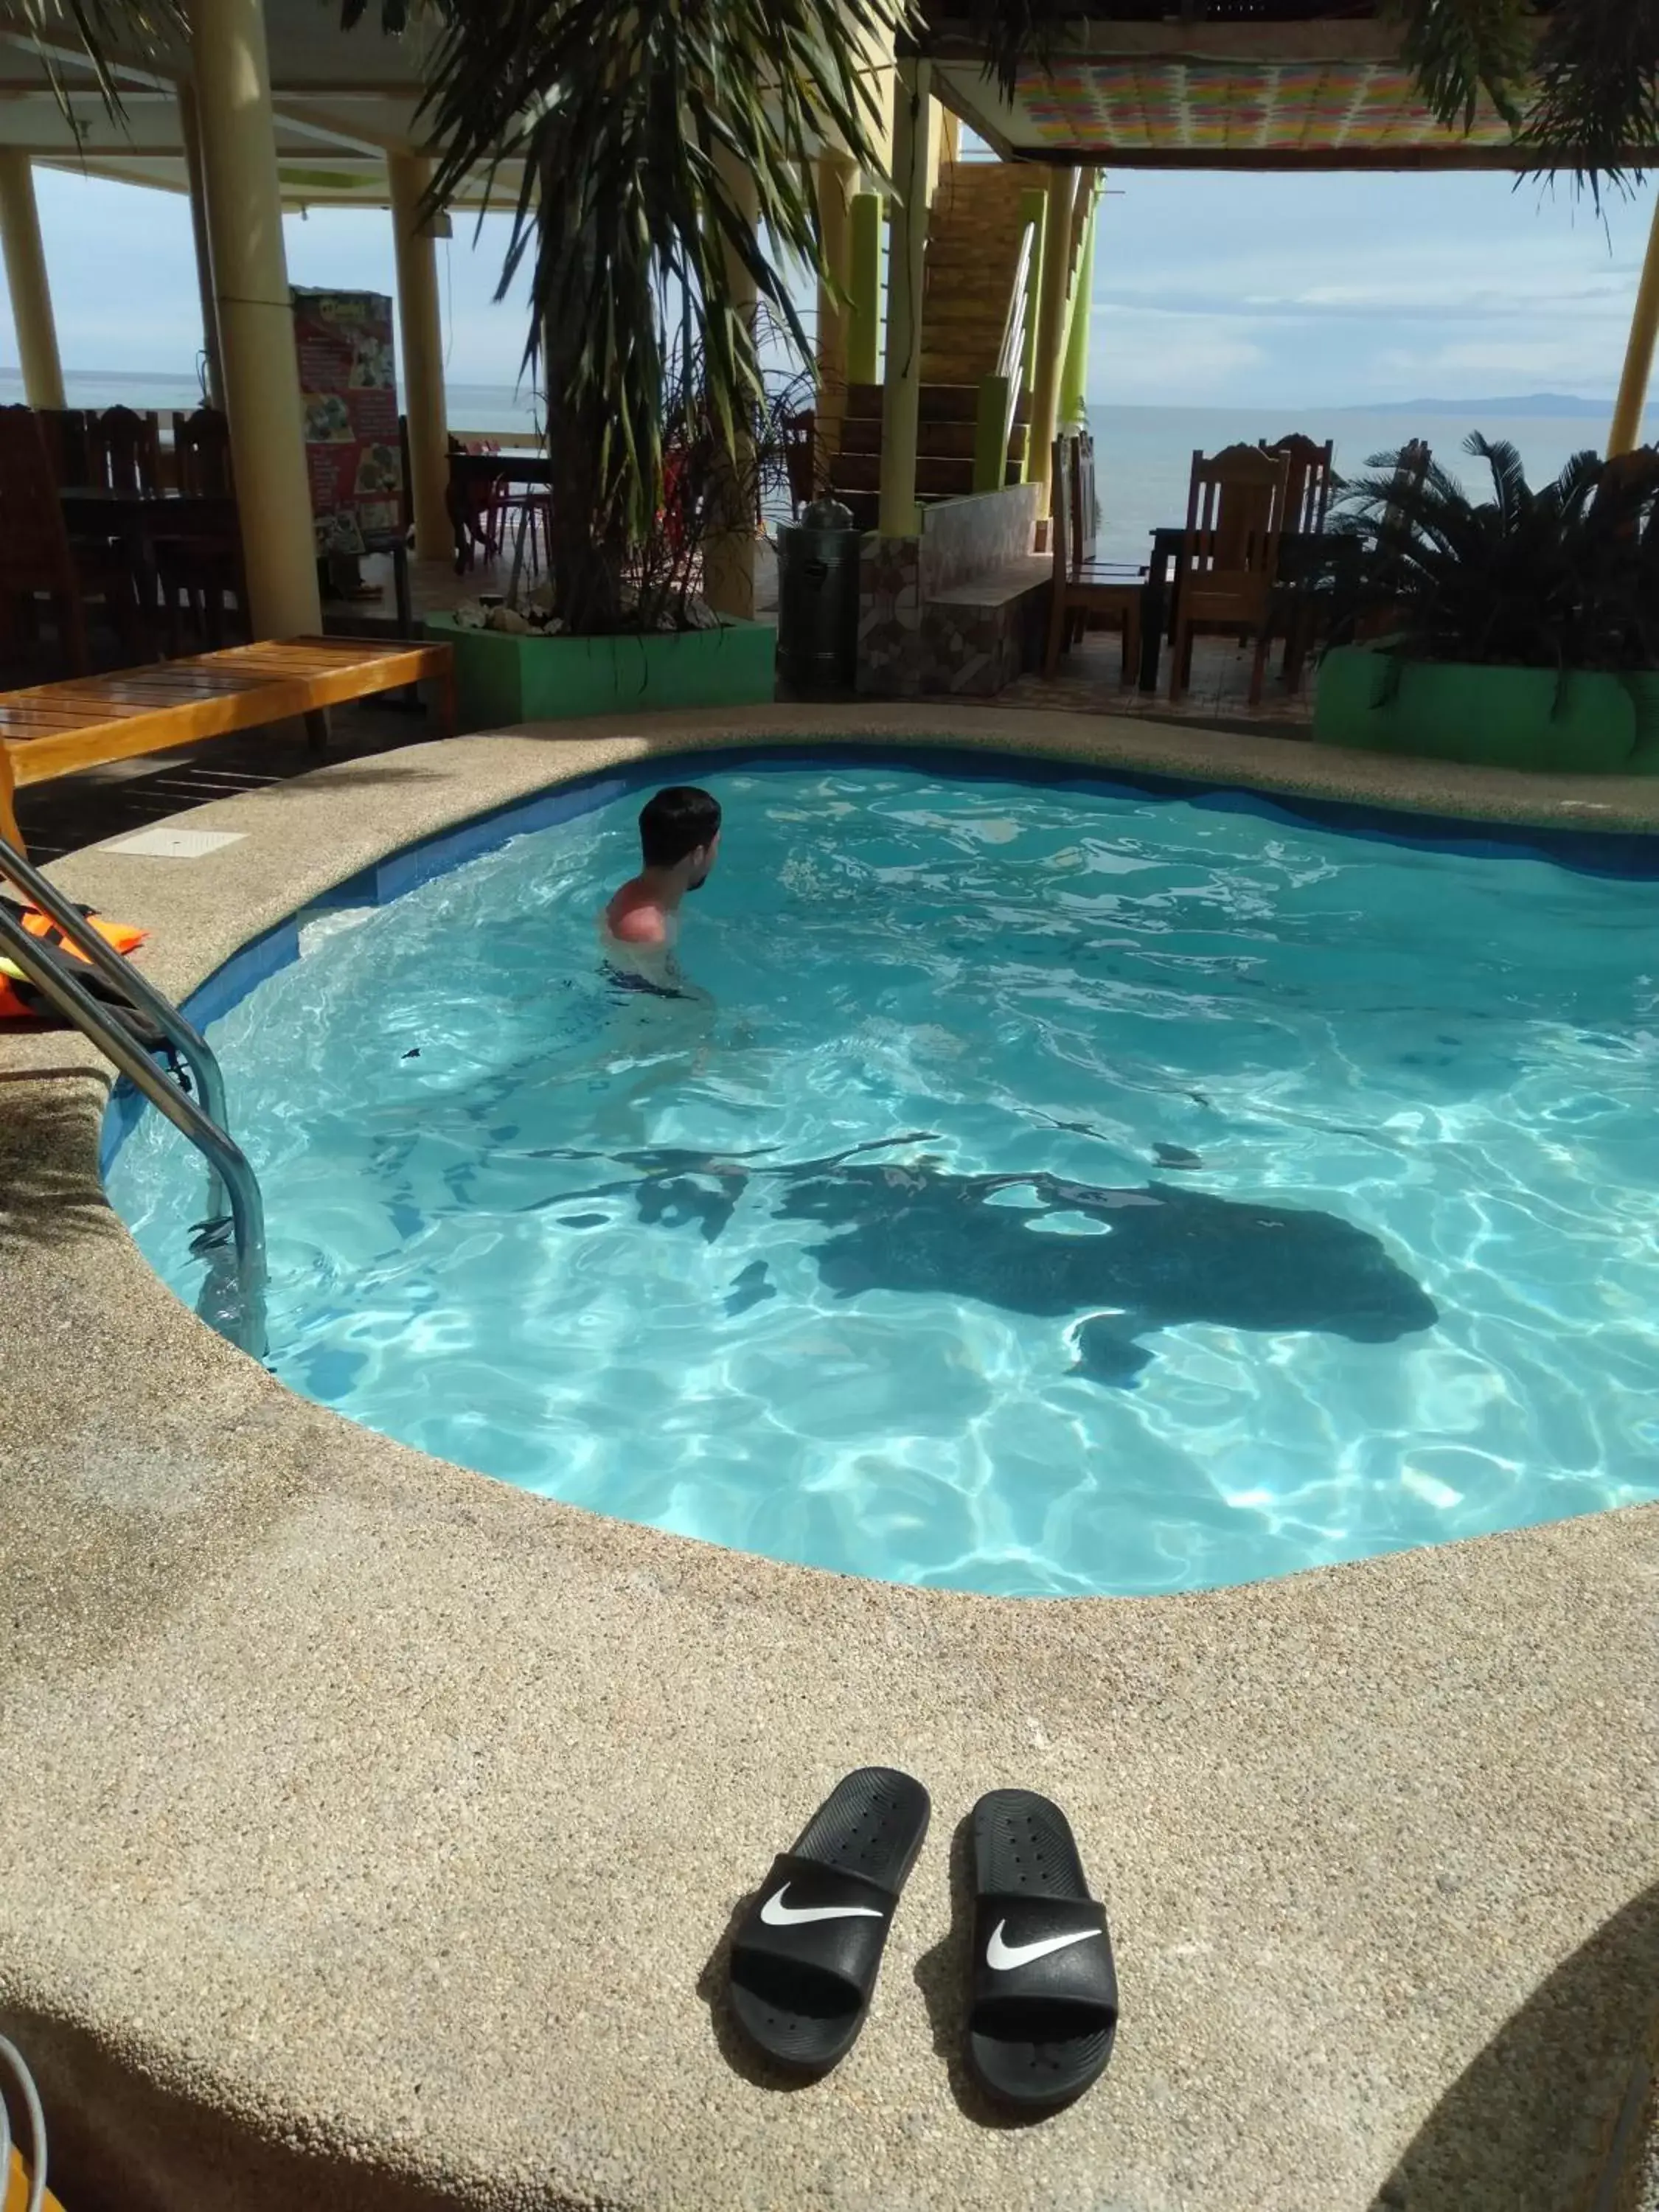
(637, 925)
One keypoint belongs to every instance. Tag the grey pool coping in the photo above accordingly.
(366, 1828)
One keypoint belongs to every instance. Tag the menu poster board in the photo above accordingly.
(349, 388)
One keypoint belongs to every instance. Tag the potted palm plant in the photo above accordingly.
(669, 160)
(524, 660)
(1513, 630)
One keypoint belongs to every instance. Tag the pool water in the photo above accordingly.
(1059, 1190)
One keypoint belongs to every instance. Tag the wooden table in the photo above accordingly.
(56, 729)
(473, 473)
(141, 519)
(1303, 556)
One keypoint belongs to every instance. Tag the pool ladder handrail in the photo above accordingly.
(241, 1315)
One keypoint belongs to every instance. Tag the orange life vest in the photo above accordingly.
(20, 1002)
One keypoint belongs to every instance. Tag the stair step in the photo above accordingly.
(942, 440)
(946, 476)
(957, 402)
(959, 371)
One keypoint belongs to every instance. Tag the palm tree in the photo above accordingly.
(668, 157)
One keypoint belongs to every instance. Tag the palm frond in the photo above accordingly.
(107, 32)
(1509, 477)
(1457, 49)
(1597, 71)
(1561, 578)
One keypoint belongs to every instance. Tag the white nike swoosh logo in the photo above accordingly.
(776, 1914)
(1000, 1956)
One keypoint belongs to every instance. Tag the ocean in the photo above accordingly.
(1143, 454)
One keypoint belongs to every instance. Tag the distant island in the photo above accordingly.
(1565, 404)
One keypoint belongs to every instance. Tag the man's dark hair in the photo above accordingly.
(675, 823)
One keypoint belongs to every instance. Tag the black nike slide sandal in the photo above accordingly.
(804, 1960)
(1043, 2004)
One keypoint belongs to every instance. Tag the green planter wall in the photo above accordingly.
(500, 680)
(1521, 718)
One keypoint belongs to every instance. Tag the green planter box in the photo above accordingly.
(1521, 718)
(500, 680)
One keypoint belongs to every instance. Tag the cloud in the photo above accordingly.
(1145, 356)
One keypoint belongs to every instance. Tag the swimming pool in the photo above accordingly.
(1067, 1189)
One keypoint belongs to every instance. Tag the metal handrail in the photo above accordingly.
(236, 1306)
(1010, 352)
(191, 1047)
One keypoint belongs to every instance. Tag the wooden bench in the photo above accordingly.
(59, 729)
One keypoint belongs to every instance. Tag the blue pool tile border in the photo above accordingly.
(1631, 854)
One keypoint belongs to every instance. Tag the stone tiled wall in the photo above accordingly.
(889, 618)
(962, 539)
(913, 640)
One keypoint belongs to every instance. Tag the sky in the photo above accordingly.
(1209, 290)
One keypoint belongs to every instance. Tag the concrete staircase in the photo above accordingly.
(973, 245)
(974, 233)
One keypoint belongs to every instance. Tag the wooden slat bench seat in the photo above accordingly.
(59, 729)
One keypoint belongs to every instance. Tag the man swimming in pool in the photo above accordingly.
(679, 840)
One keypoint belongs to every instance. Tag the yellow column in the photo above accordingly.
(422, 330)
(901, 403)
(836, 180)
(728, 560)
(26, 279)
(255, 315)
(190, 129)
(1051, 323)
(1626, 431)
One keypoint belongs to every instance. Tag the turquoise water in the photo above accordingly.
(1058, 1191)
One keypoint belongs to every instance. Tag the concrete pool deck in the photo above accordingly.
(369, 1831)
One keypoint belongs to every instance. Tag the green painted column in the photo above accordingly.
(1074, 370)
(864, 305)
(1051, 327)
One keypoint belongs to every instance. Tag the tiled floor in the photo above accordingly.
(1089, 680)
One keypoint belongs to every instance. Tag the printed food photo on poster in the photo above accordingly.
(354, 451)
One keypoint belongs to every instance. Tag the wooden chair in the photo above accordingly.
(126, 450)
(68, 447)
(1308, 488)
(1080, 589)
(38, 562)
(1229, 556)
(1298, 598)
(203, 573)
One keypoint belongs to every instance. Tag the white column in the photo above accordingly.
(190, 129)
(26, 279)
(728, 560)
(421, 327)
(255, 315)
